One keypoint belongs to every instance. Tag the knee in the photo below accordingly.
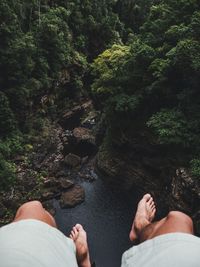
(180, 216)
(33, 205)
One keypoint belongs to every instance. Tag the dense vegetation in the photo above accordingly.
(145, 76)
(150, 85)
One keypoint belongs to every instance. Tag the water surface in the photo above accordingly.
(107, 216)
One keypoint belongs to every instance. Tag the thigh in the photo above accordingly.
(175, 222)
(34, 210)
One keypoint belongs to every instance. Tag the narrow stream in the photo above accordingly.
(107, 217)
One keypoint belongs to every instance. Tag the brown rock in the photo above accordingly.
(83, 134)
(72, 160)
(73, 197)
(48, 195)
(51, 182)
(65, 184)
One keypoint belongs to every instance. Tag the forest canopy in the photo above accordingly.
(138, 60)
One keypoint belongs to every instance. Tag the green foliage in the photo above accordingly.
(156, 84)
(195, 167)
(106, 66)
(7, 121)
(152, 80)
(7, 173)
(9, 148)
(171, 127)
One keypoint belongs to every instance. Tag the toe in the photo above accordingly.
(147, 197)
(150, 201)
(152, 205)
(153, 211)
(75, 230)
(79, 227)
(72, 235)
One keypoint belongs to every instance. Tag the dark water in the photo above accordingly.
(107, 217)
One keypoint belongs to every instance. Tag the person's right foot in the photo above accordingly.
(79, 236)
(144, 215)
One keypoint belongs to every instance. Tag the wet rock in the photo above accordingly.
(51, 182)
(72, 197)
(83, 135)
(65, 184)
(72, 160)
(48, 195)
(51, 192)
(86, 177)
(82, 142)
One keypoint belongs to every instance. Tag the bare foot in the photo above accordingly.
(79, 236)
(144, 215)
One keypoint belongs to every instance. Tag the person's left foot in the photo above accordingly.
(79, 236)
(144, 216)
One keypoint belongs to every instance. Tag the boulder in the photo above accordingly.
(82, 134)
(65, 183)
(50, 182)
(50, 193)
(72, 160)
(82, 142)
(72, 197)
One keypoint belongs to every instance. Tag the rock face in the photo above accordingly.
(185, 191)
(72, 197)
(125, 171)
(81, 142)
(173, 188)
(63, 149)
(72, 118)
(72, 160)
(83, 135)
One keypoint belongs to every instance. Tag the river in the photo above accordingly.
(107, 216)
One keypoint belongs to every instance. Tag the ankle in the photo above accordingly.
(85, 262)
(140, 225)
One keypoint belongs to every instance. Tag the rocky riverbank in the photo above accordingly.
(67, 155)
(56, 164)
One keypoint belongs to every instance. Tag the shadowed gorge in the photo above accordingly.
(106, 89)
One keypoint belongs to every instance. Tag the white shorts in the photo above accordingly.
(32, 243)
(169, 250)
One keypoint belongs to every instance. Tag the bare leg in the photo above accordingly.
(143, 228)
(79, 236)
(34, 210)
